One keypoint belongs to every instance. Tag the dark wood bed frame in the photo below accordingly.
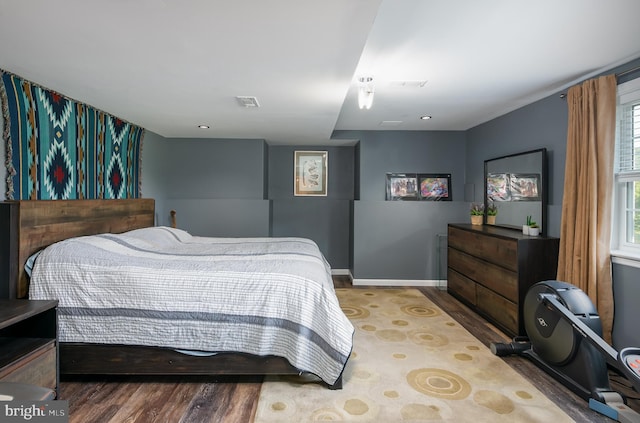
(30, 225)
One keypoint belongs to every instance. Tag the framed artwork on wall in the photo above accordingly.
(435, 186)
(418, 186)
(402, 186)
(310, 173)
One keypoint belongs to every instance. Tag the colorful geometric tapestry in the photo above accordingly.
(59, 149)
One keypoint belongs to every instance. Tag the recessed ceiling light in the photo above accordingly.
(426, 117)
(203, 126)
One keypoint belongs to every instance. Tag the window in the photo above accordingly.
(626, 212)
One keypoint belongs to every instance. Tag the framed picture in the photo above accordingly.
(310, 173)
(498, 187)
(434, 187)
(402, 186)
(525, 187)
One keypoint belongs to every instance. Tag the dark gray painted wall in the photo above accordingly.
(326, 220)
(402, 240)
(154, 173)
(381, 152)
(217, 187)
(206, 168)
(626, 294)
(398, 240)
(544, 124)
(245, 188)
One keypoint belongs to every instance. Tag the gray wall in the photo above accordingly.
(245, 188)
(326, 220)
(398, 240)
(217, 187)
(544, 124)
(626, 294)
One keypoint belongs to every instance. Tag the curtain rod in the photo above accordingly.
(618, 75)
(627, 72)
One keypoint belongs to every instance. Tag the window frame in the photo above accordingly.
(623, 251)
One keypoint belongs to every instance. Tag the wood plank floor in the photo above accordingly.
(234, 399)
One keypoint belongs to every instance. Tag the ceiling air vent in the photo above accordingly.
(409, 84)
(390, 123)
(248, 101)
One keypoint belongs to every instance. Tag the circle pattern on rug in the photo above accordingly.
(426, 337)
(420, 412)
(420, 311)
(355, 312)
(524, 394)
(494, 401)
(439, 383)
(391, 335)
(327, 414)
(357, 408)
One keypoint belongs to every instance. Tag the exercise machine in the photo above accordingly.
(564, 338)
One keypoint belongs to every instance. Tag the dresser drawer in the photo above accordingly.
(496, 278)
(501, 310)
(500, 251)
(461, 286)
(38, 367)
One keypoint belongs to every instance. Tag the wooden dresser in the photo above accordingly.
(490, 269)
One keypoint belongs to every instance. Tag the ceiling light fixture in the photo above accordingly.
(203, 126)
(426, 117)
(365, 92)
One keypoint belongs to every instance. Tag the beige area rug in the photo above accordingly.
(411, 362)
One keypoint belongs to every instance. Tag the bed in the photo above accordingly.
(263, 331)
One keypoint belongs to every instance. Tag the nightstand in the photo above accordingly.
(29, 342)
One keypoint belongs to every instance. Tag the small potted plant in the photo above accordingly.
(492, 212)
(477, 213)
(534, 229)
(531, 228)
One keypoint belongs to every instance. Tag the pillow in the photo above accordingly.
(162, 235)
(28, 265)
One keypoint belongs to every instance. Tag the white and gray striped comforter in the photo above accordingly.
(164, 287)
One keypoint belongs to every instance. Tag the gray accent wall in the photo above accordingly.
(626, 294)
(245, 188)
(398, 240)
(544, 124)
(216, 186)
(324, 219)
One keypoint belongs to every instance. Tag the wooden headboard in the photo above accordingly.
(30, 225)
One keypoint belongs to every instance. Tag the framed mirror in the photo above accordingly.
(517, 185)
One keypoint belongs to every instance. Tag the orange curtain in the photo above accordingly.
(585, 230)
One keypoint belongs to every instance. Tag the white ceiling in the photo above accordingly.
(170, 65)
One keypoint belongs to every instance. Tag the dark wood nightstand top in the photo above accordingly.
(13, 311)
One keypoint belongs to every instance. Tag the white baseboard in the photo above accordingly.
(400, 282)
(442, 284)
